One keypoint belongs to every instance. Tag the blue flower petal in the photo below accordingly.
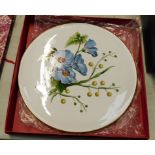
(64, 57)
(72, 74)
(75, 66)
(65, 80)
(79, 65)
(90, 47)
(93, 51)
(83, 69)
(69, 56)
(90, 43)
(80, 59)
(59, 53)
(57, 75)
(71, 80)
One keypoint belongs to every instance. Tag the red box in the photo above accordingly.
(133, 124)
(6, 23)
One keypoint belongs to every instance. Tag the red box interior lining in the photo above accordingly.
(6, 25)
(13, 122)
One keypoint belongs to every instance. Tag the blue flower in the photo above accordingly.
(90, 47)
(65, 75)
(64, 58)
(79, 65)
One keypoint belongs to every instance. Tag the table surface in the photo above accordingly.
(6, 78)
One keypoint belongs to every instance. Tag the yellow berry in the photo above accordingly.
(67, 91)
(89, 94)
(94, 83)
(102, 82)
(109, 94)
(90, 64)
(97, 94)
(100, 65)
(63, 101)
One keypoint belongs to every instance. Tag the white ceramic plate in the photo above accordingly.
(97, 104)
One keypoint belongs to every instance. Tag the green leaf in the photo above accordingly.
(57, 86)
(93, 77)
(54, 82)
(84, 39)
(61, 87)
(76, 38)
(78, 34)
(52, 91)
(102, 72)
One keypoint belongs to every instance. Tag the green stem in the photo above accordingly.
(77, 49)
(99, 62)
(106, 88)
(90, 78)
(74, 97)
(52, 91)
(81, 103)
(53, 97)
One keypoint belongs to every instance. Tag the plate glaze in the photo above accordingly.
(77, 77)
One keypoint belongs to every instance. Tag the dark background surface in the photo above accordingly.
(148, 28)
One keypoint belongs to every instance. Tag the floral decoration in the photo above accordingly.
(70, 63)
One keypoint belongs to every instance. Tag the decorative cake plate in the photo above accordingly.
(77, 77)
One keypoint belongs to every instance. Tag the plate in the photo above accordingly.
(77, 77)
